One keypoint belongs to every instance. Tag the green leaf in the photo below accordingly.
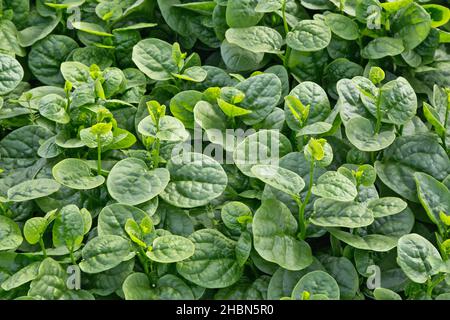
(168, 129)
(385, 294)
(418, 258)
(383, 47)
(68, 228)
(345, 274)
(34, 229)
(154, 58)
(76, 174)
(262, 94)
(263, 147)
(317, 283)
(275, 239)
(171, 248)
(408, 155)
(75, 72)
(335, 186)
(386, 206)
(231, 214)
(361, 133)
(256, 39)
(194, 74)
(105, 252)
(10, 235)
(342, 26)
(11, 73)
(231, 110)
(332, 213)
(112, 219)
(47, 55)
(238, 59)
(32, 189)
(91, 28)
(372, 242)
(440, 15)
(243, 248)
(242, 13)
(279, 178)
(433, 195)
(195, 180)
(214, 263)
(24, 275)
(131, 182)
(412, 24)
(309, 35)
(398, 101)
(53, 107)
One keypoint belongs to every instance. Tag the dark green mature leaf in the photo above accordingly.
(214, 263)
(309, 35)
(11, 73)
(274, 237)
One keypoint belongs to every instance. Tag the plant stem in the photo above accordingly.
(336, 247)
(41, 243)
(72, 257)
(286, 30)
(99, 156)
(378, 126)
(432, 284)
(302, 207)
(155, 153)
(445, 130)
(143, 260)
(283, 12)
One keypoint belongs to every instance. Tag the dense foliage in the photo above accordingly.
(226, 149)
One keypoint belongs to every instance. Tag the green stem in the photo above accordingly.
(286, 30)
(283, 12)
(41, 243)
(302, 205)
(445, 129)
(72, 257)
(432, 284)
(341, 5)
(143, 260)
(336, 247)
(155, 153)
(378, 126)
(99, 156)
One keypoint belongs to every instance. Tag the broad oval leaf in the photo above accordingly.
(335, 186)
(131, 182)
(32, 189)
(76, 174)
(10, 235)
(195, 180)
(309, 35)
(171, 248)
(214, 263)
(105, 252)
(11, 73)
(154, 58)
(361, 133)
(332, 213)
(418, 258)
(263, 147)
(279, 178)
(256, 39)
(275, 239)
(317, 283)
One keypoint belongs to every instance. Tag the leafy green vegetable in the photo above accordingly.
(227, 149)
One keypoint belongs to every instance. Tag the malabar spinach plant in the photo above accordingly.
(226, 149)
